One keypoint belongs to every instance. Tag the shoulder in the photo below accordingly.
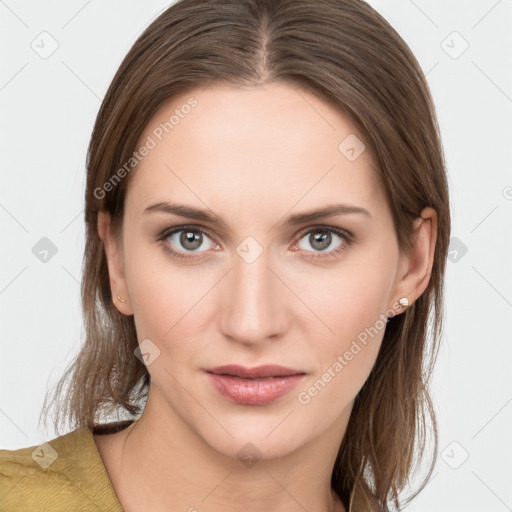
(62, 474)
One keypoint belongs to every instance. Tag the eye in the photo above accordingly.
(186, 239)
(325, 241)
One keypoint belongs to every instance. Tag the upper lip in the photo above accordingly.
(268, 370)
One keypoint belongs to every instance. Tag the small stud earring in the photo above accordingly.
(404, 302)
(120, 299)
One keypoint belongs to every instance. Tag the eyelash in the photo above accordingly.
(347, 237)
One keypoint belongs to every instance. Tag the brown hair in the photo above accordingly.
(346, 53)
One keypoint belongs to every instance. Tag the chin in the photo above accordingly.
(263, 439)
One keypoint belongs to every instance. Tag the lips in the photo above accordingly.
(259, 372)
(254, 386)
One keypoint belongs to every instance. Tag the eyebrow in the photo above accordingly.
(190, 212)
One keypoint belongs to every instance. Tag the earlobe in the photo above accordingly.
(113, 254)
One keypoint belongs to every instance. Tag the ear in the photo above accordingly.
(114, 255)
(415, 268)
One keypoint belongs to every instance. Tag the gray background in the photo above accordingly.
(48, 106)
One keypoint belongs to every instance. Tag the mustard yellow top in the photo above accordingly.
(66, 473)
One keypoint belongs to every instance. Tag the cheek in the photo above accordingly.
(344, 360)
(352, 305)
(168, 301)
(352, 299)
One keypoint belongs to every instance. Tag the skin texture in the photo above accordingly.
(253, 156)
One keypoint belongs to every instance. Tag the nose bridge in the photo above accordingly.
(253, 305)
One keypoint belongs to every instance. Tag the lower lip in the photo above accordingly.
(254, 391)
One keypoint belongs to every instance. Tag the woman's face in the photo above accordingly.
(264, 284)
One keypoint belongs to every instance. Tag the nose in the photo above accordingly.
(253, 302)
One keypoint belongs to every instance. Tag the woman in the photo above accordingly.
(267, 220)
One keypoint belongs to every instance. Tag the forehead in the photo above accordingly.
(248, 145)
